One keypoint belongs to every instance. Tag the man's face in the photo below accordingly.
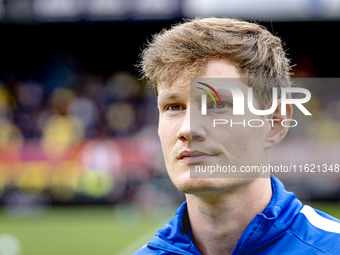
(224, 145)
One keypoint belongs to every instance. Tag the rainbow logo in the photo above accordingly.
(213, 90)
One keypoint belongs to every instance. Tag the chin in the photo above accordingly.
(209, 185)
(201, 185)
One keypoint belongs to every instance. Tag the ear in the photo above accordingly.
(278, 131)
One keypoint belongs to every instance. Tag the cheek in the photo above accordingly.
(168, 135)
(238, 140)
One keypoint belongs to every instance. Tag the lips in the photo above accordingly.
(194, 156)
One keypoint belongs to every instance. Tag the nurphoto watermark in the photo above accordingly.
(233, 117)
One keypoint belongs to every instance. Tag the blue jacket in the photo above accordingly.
(286, 226)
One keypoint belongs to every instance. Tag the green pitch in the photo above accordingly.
(82, 231)
(91, 230)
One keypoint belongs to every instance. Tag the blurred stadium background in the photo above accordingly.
(81, 167)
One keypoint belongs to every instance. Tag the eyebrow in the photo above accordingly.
(224, 93)
(171, 96)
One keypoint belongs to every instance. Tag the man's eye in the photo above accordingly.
(218, 105)
(175, 107)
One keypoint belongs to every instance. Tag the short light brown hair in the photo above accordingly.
(184, 51)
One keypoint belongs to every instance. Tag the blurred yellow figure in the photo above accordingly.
(11, 141)
(59, 133)
(10, 136)
(5, 97)
(120, 115)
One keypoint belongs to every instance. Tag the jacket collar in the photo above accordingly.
(272, 222)
(175, 237)
(276, 218)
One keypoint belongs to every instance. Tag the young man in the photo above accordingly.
(227, 215)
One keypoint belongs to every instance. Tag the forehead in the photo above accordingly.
(178, 90)
(221, 68)
(216, 68)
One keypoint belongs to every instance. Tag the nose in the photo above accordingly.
(192, 128)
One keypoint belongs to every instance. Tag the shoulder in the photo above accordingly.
(145, 250)
(317, 229)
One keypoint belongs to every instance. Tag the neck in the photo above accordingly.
(219, 219)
